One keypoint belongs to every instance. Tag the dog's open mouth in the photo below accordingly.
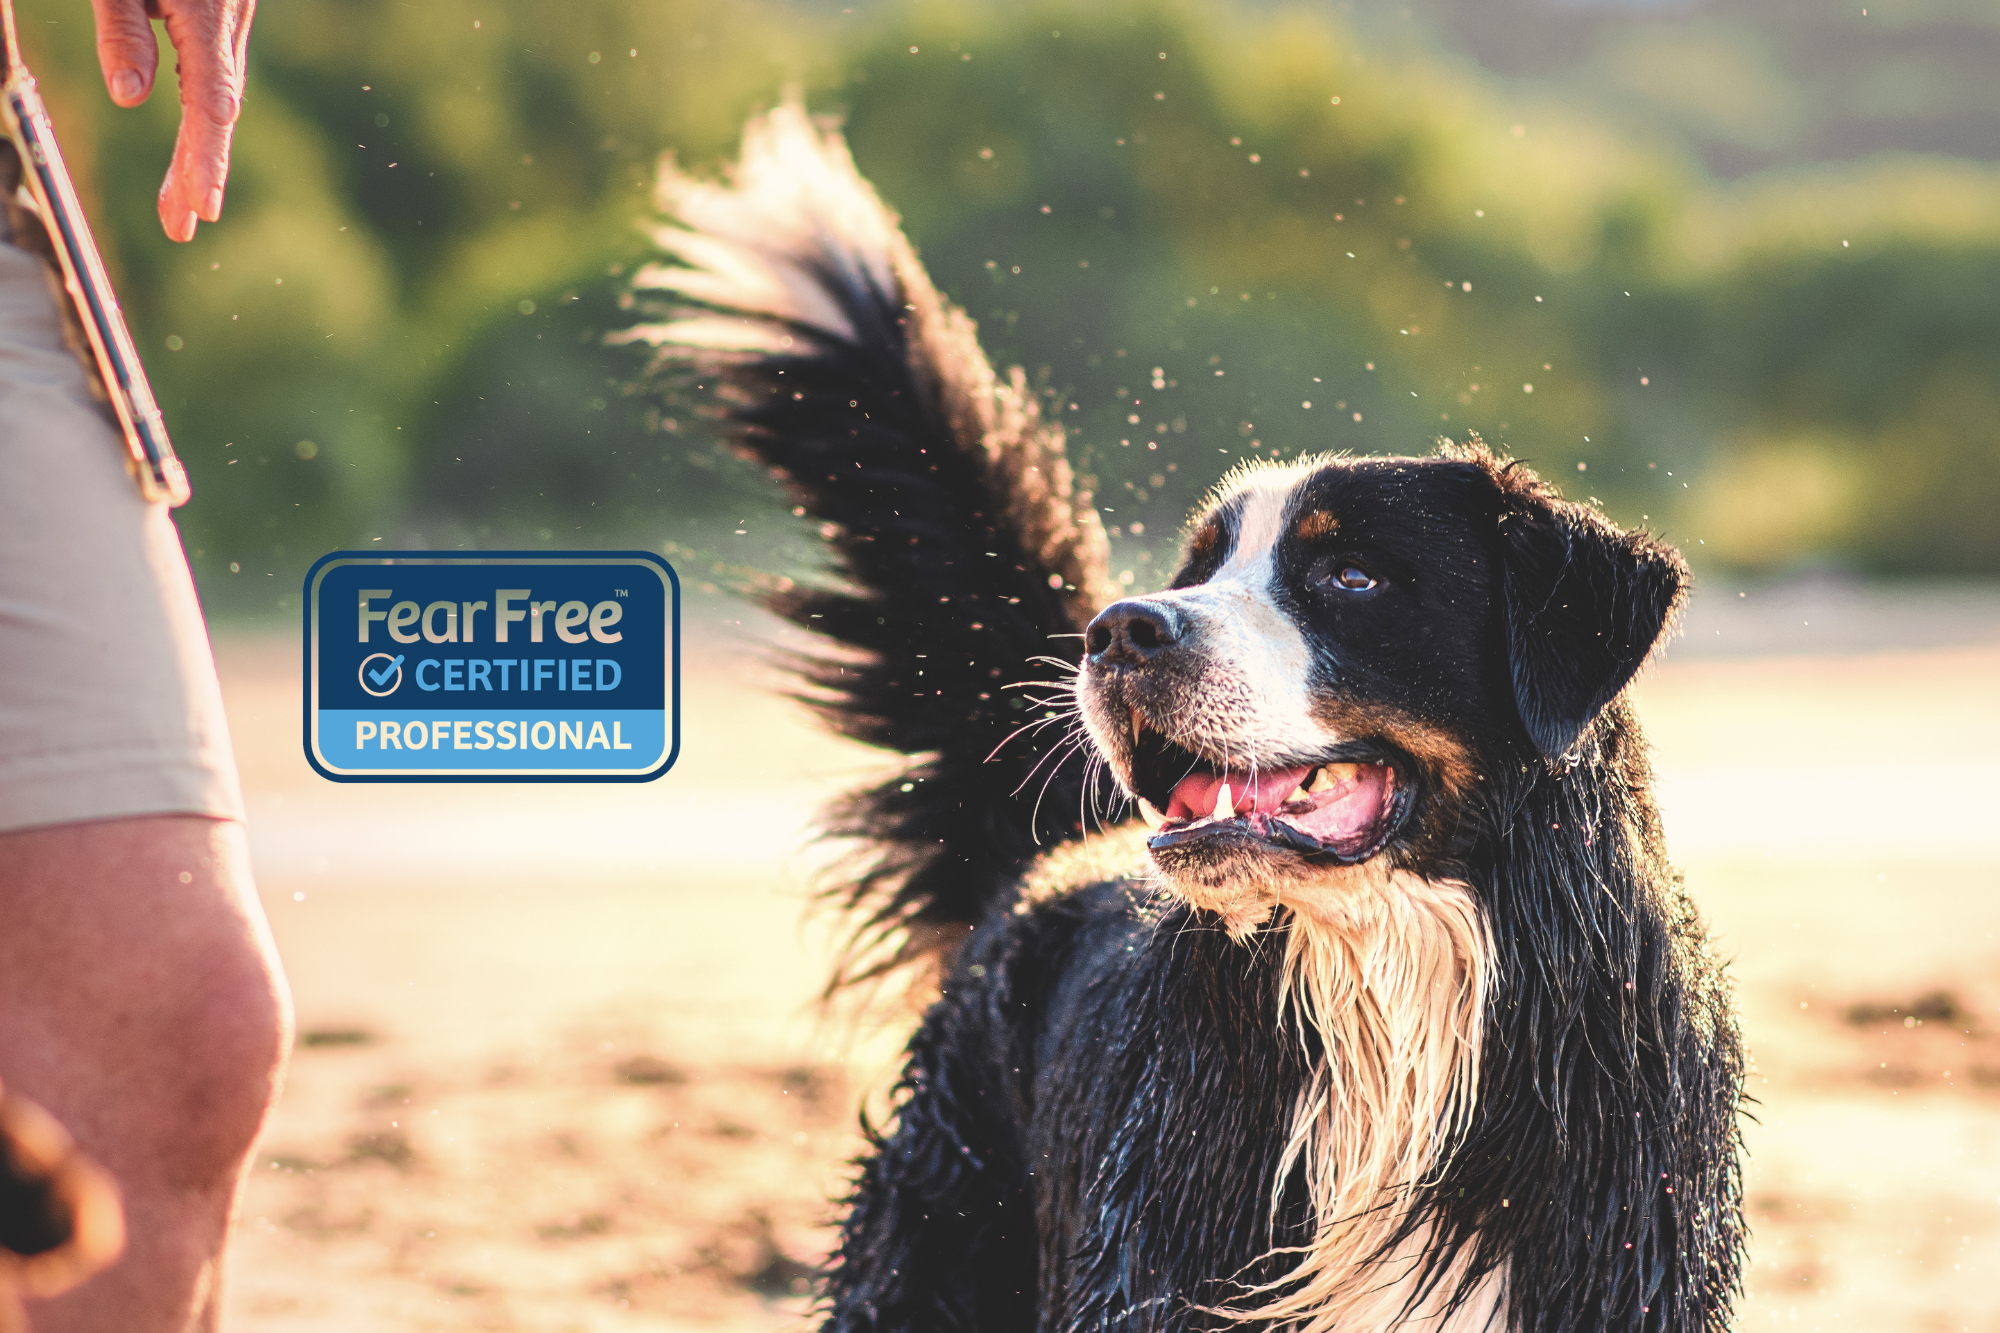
(1345, 809)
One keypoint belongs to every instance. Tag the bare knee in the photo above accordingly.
(221, 1056)
(218, 1030)
(142, 1001)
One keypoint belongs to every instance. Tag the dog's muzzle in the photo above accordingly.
(1342, 804)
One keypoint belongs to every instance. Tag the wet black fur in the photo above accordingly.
(1092, 1120)
(1092, 1114)
(945, 607)
(36, 1212)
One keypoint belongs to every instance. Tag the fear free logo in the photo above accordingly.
(440, 666)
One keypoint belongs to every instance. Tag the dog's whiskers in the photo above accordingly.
(1033, 815)
(1025, 727)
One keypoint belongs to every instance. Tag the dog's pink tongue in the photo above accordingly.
(1195, 795)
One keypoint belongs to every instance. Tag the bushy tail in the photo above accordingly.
(964, 553)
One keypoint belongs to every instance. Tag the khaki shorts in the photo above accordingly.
(109, 705)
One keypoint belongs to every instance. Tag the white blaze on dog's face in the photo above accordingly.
(1253, 701)
(1308, 681)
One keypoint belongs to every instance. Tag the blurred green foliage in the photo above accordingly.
(1208, 233)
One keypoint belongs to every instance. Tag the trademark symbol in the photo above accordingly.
(618, 592)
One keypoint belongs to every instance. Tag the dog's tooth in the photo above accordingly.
(1225, 802)
(1138, 726)
(1151, 813)
(1331, 775)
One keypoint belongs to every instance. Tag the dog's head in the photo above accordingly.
(1348, 648)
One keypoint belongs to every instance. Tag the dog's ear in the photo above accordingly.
(1584, 604)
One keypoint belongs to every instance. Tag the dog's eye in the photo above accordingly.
(1333, 574)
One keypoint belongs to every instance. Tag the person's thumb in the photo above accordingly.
(126, 49)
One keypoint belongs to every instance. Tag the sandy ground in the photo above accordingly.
(560, 1067)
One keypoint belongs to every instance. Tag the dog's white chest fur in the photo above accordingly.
(1390, 973)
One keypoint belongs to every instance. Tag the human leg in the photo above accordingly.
(140, 999)
(141, 1003)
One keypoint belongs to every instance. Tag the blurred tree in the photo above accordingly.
(1208, 233)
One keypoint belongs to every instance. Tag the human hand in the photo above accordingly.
(210, 39)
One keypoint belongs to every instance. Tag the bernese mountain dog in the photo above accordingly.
(60, 1217)
(1389, 1012)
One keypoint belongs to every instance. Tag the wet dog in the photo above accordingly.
(60, 1217)
(1396, 1016)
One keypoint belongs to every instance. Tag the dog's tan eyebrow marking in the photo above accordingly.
(1205, 540)
(1316, 526)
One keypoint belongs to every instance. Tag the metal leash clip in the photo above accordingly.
(53, 200)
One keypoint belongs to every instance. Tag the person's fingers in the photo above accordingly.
(126, 49)
(192, 192)
(210, 38)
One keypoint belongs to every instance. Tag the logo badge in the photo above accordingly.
(437, 666)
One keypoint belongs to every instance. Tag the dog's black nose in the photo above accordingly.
(1129, 633)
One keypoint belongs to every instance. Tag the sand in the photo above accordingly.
(560, 1067)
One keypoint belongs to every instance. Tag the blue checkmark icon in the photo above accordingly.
(384, 680)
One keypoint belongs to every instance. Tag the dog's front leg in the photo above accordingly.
(941, 1231)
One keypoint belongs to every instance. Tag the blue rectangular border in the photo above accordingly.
(308, 616)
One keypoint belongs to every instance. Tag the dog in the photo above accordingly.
(60, 1216)
(1390, 1012)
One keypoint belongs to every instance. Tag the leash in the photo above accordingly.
(50, 197)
